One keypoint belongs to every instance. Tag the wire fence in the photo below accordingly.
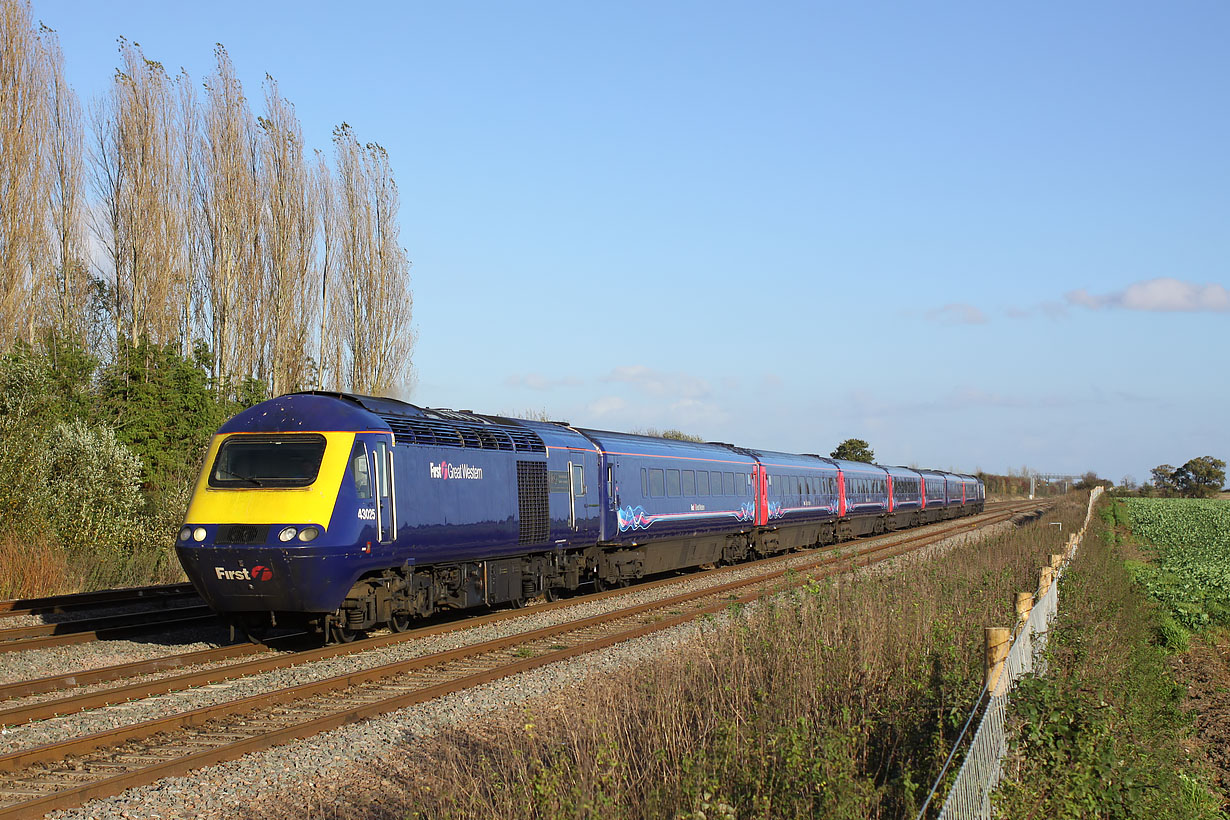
(970, 795)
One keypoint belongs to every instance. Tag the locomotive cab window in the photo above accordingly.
(267, 461)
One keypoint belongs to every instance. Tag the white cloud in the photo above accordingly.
(1050, 310)
(537, 381)
(1162, 295)
(957, 313)
(607, 406)
(659, 384)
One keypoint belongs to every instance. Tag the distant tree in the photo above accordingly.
(677, 435)
(1128, 483)
(854, 449)
(1090, 480)
(1164, 479)
(1201, 477)
(529, 414)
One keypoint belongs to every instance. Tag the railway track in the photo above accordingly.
(60, 775)
(59, 604)
(115, 627)
(134, 669)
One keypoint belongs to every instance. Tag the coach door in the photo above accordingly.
(576, 492)
(382, 469)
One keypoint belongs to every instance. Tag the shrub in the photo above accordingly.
(91, 486)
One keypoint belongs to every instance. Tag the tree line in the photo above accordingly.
(168, 256)
(1197, 478)
(167, 210)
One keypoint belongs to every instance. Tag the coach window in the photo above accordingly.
(644, 483)
(728, 483)
(578, 481)
(672, 483)
(689, 483)
(715, 483)
(361, 470)
(702, 482)
(657, 483)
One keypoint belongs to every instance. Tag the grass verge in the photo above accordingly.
(1104, 734)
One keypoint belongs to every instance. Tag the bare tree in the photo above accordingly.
(139, 172)
(227, 192)
(288, 230)
(23, 136)
(329, 346)
(65, 193)
(372, 295)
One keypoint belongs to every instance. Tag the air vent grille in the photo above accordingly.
(532, 502)
(478, 436)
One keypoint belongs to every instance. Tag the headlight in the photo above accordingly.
(287, 534)
(308, 534)
(198, 534)
(185, 533)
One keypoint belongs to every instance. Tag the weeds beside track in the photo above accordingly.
(839, 699)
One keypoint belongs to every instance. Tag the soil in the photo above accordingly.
(1205, 671)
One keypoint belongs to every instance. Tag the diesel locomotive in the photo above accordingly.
(344, 512)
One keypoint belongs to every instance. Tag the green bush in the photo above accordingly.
(97, 462)
(91, 485)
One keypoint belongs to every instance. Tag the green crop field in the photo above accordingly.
(1190, 570)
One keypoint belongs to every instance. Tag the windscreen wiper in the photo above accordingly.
(240, 477)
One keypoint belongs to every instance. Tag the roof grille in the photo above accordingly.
(477, 436)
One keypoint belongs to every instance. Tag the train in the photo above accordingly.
(341, 513)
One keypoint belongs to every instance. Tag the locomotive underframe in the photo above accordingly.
(397, 596)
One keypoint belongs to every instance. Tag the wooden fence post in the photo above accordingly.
(996, 639)
(1024, 603)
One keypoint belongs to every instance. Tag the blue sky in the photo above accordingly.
(978, 236)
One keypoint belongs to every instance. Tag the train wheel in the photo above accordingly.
(399, 622)
(342, 634)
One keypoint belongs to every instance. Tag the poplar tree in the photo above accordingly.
(371, 296)
(227, 193)
(65, 198)
(288, 230)
(24, 110)
(139, 172)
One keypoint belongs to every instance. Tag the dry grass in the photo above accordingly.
(32, 567)
(836, 700)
